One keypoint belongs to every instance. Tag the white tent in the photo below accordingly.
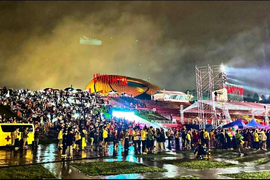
(256, 108)
(174, 96)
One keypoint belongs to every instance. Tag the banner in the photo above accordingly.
(110, 79)
(235, 90)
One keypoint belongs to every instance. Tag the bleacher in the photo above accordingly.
(128, 89)
(126, 101)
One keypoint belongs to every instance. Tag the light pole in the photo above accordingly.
(182, 114)
(266, 116)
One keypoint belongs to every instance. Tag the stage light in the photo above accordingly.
(122, 114)
(222, 68)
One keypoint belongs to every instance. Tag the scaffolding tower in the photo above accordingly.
(208, 78)
(219, 76)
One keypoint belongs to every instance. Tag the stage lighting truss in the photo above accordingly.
(208, 79)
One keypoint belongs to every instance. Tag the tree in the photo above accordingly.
(193, 93)
(188, 91)
(263, 99)
(268, 100)
(255, 97)
(248, 98)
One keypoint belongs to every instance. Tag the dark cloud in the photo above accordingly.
(164, 40)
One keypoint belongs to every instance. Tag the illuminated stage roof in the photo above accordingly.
(138, 88)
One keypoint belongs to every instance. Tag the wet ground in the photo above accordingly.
(50, 157)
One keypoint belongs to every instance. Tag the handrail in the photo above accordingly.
(163, 122)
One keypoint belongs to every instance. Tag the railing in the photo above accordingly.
(163, 122)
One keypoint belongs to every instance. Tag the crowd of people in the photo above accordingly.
(132, 103)
(47, 107)
(81, 125)
(149, 140)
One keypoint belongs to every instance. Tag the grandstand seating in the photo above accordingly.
(129, 90)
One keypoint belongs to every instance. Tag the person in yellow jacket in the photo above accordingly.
(206, 138)
(256, 139)
(84, 137)
(212, 139)
(188, 138)
(263, 138)
(105, 136)
(77, 140)
(15, 138)
(144, 140)
(60, 139)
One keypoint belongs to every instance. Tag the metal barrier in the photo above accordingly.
(163, 122)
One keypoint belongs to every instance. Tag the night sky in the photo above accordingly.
(40, 46)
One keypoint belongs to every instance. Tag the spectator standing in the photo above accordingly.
(159, 144)
(93, 137)
(137, 140)
(206, 138)
(212, 138)
(126, 143)
(64, 143)
(144, 140)
(60, 139)
(25, 136)
(77, 139)
(188, 140)
(36, 136)
(263, 139)
(256, 139)
(168, 134)
(96, 138)
(15, 138)
(83, 138)
(195, 137)
(151, 138)
(239, 142)
(177, 140)
(105, 136)
(115, 138)
(70, 137)
(184, 139)
(122, 137)
(163, 137)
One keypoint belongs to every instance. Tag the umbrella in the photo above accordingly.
(69, 89)
(48, 89)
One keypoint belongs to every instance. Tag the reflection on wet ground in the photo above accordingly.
(50, 153)
(51, 157)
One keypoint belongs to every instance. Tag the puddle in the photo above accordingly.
(63, 170)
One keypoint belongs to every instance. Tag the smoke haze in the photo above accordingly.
(40, 47)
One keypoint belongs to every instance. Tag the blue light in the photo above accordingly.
(123, 114)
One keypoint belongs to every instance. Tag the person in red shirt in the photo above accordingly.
(130, 132)
(195, 137)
